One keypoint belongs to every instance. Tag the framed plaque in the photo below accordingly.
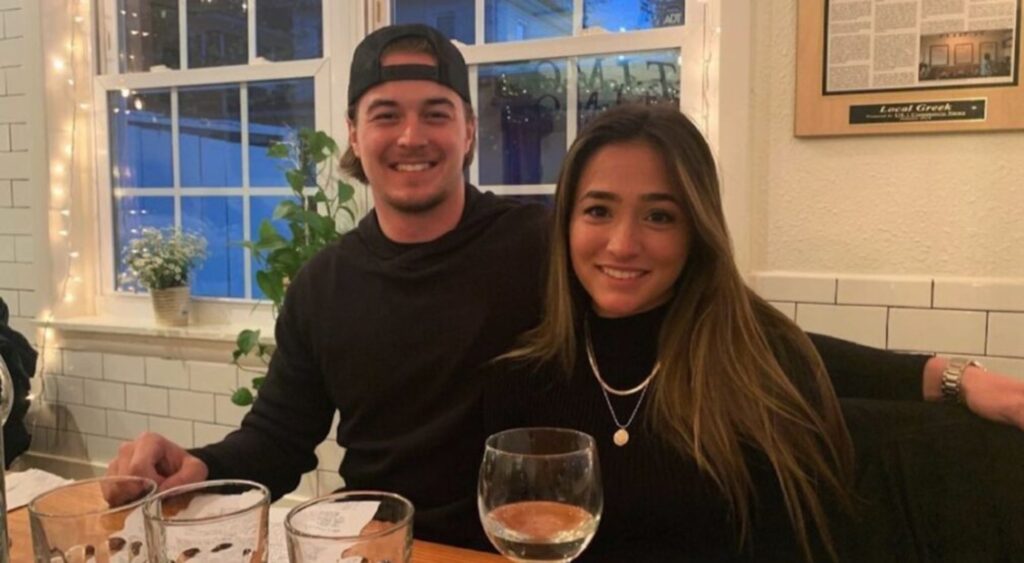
(866, 67)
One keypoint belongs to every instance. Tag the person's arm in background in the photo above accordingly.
(864, 372)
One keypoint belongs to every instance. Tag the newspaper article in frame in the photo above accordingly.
(881, 45)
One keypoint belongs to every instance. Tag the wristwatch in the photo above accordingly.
(952, 376)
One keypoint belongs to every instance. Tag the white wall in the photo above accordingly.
(22, 163)
(937, 205)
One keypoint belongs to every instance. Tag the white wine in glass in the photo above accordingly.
(539, 493)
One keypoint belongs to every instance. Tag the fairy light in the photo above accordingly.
(64, 172)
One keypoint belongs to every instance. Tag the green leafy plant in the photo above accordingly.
(310, 220)
(162, 258)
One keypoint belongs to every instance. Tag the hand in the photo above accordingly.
(157, 458)
(995, 396)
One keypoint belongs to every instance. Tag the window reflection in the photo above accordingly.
(217, 33)
(605, 81)
(629, 15)
(209, 127)
(148, 34)
(289, 29)
(140, 139)
(518, 20)
(522, 122)
(277, 109)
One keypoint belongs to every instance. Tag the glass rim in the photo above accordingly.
(343, 494)
(588, 441)
(152, 501)
(34, 511)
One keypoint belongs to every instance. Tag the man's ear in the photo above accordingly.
(470, 135)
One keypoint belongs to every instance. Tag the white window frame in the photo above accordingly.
(692, 39)
(343, 26)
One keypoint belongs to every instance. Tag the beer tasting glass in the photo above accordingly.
(539, 493)
(76, 524)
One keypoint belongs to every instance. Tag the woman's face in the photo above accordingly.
(628, 234)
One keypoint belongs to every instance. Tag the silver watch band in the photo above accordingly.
(952, 378)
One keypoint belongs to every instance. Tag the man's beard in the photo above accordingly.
(418, 206)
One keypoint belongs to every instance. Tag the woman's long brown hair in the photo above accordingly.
(723, 350)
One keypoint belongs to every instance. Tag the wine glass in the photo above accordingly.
(539, 493)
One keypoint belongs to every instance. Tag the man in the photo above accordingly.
(389, 326)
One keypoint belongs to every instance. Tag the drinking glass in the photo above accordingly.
(539, 493)
(75, 523)
(364, 526)
(209, 522)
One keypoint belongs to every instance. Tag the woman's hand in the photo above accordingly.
(992, 395)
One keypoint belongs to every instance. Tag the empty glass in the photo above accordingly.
(75, 523)
(364, 526)
(213, 521)
(539, 493)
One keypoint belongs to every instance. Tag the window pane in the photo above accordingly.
(219, 219)
(262, 207)
(650, 78)
(516, 20)
(147, 34)
(131, 215)
(140, 139)
(522, 123)
(287, 30)
(276, 109)
(210, 133)
(217, 33)
(455, 18)
(626, 15)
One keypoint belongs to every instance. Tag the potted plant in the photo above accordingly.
(321, 209)
(160, 260)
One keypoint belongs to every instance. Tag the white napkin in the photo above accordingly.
(24, 486)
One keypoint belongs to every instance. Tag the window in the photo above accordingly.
(192, 93)
(540, 69)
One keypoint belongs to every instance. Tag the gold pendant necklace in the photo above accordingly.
(621, 436)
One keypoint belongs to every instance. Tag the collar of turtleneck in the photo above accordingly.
(625, 347)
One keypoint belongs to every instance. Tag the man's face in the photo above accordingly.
(412, 137)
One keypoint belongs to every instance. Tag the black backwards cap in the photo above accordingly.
(367, 71)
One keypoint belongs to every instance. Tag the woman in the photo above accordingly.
(720, 436)
(644, 301)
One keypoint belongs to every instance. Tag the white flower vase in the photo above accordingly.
(171, 306)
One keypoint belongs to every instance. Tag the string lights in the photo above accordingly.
(64, 173)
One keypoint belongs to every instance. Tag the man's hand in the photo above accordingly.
(157, 458)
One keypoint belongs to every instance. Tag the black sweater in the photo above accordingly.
(391, 336)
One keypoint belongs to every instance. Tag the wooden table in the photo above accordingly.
(422, 552)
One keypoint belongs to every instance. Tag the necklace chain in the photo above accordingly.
(621, 437)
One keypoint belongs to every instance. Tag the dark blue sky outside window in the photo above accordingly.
(455, 18)
(219, 219)
(131, 215)
(276, 109)
(140, 139)
(210, 129)
(289, 30)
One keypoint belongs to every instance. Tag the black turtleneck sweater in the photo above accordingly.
(658, 505)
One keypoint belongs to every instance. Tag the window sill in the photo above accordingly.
(118, 326)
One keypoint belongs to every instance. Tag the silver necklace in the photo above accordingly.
(621, 436)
